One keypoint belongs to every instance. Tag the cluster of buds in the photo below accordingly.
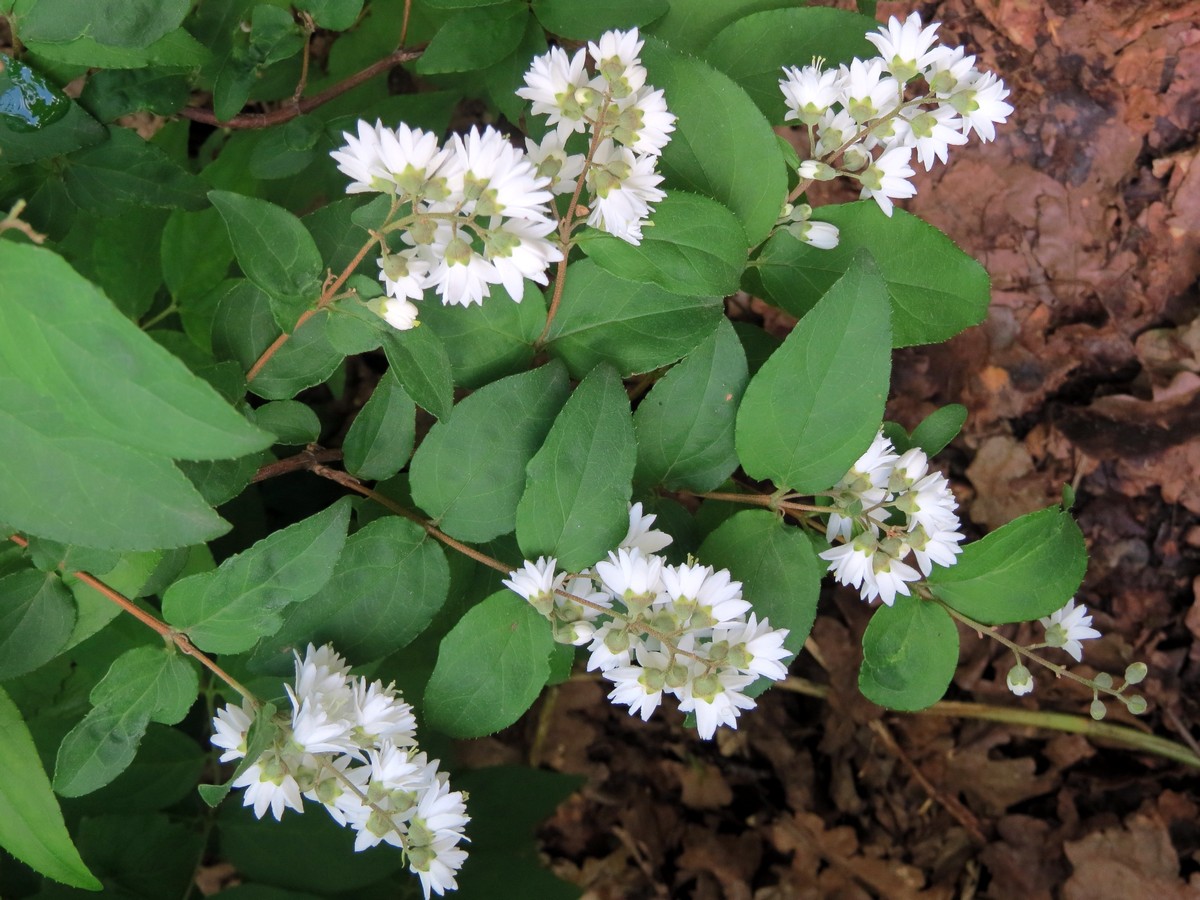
(625, 121)
(351, 746)
(866, 120)
(654, 629)
(885, 508)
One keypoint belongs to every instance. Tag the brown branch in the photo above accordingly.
(300, 107)
(302, 461)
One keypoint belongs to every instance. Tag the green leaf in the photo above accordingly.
(20, 145)
(469, 472)
(690, 25)
(939, 428)
(127, 499)
(335, 15)
(380, 439)
(142, 855)
(290, 421)
(818, 401)
(175, 49)
(490, 340)
(120, 23)
(127, 170)
(936, 290)
(62, 337)
(196, 254)
(389, 582)
(685, 425)
(36, 620)
(28, 101)
(633, 327)
(696, 247)
(273, 248)
(722, 146)
(910, 652)
(164, 771)
(144, 684)
(465, 699)
(31, 824)
(780, 573)
(577, 486)
(474, 39)
(113, 93)
(1022, 571)
(420, 363)
(123, 262)
(753, 50)
(228, 610)
(584, 20)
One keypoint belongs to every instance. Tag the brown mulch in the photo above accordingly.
(1086, 212)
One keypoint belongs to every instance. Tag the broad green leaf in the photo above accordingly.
(127, 170)
(31, 824)
(36, 619)
(148, 855)
(469, 472)
(910, 652)
(753, 50)
(123, 262)
(502, 80)
(685, 424)
(28, 100)
(290, 421)
(474, 39)
(62, 337)
(164, 771)
(465, 699)
(287, 150)
(490, 340)
(51, 556)
(174, 49)
(380, 439)
(219, 481)
(19, 144)
(389, 582)
(119, 23)
(228, 610)
(936, 289)
(696, 247)
(146, 684)
(585, 20)
(780, 573)
(273, 248)
(112, 93)
(336, 15)
(816, 404)
(690, 25)
(633, 327)
(939, 428)
(419, 361)
(722, 146)
(1022, 571)
(121, 498)
(577, 486)
(196, 254)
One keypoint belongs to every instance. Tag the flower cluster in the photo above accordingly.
(866, 119)
(886, 507)
(351, 746)
(469, 215)
(625, 120)
(655, 629)
(1066, 628)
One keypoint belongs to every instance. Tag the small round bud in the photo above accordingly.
(1136, 704)
(1020, 680)
(1104, 680)
(1097, 709)
(1135, 673)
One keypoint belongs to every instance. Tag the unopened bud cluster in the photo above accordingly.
(866, 120)
(889, 507)
(350, 745)
(625, 121)
(654, 629)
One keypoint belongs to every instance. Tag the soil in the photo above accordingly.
(1086, 212)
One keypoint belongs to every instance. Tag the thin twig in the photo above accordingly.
(302, 461)
(301, 107)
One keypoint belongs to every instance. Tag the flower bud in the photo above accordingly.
(1135, 673)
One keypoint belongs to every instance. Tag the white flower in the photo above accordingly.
(755, 647)
(616, 58)
(460, 275)
(1067, 627)
(643, 123)
(433, 835)
(361, 160)
(640, 535)
(404, 276)
(640, 686)
(888, 576)
(947, 68)
(886, 179)
(929, 503)
(1020, 680)
(850, 562)
(321, 672)
(980, 102)
(414, 161)
(630, 574)
(399, 313)
(231, 724)
(868, 93)
(931, 132)
(623, 185)
(518, 249)
(713, 594)
(716, 698)
(809, 92)
(865, 486)
(537, 581)
(270, 784)
(821, 235)
(940, 546)
(834, 131)
(318, 727)
(552, 82)
(552, 161)
(494, 178)
(905, 48)
(380, 714)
